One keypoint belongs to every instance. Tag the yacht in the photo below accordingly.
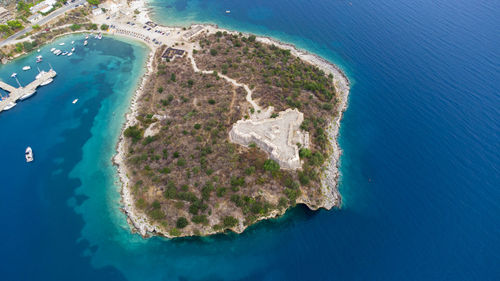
(39, 74)
(46, 82)
(85, 43)
(27, 67)
(27, 95)
(9, 105)
(28, 154)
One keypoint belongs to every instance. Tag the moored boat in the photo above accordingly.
(27, 95)
(85, 43)
(46, 82)
(27, 67)
(29, 154)
(9, 105)
(75, 101)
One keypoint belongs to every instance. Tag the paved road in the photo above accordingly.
(43, 21)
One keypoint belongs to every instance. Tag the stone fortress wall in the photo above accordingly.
(277, 136)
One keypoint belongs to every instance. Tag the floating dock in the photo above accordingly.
(17, 93)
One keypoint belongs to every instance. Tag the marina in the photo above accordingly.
(21, 93)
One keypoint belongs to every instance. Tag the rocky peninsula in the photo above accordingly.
(228, 129)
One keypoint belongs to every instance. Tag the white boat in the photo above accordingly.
(39, 74)
(75, 101)
(52, 49)
(9, 105)
(13, 75)
(39, 57)
(85, 43)
(46, 82)
(39, 60)
(38, 50)
(72, 42)
(228, 11)
(28, 154)
(27, 67)
(73, 49)
(61, 44)
(64, 53)
(69, 54)
(99, 36)
(27, 95)
(86, 37)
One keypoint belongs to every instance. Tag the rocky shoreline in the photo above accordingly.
(139, 221)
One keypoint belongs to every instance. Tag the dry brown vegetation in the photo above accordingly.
(185, 173)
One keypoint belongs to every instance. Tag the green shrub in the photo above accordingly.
(271, 165)
(181, 222)
(229, 222)
(200, 219)
(134, 132)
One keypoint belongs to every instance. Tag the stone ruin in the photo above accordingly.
(277, 136)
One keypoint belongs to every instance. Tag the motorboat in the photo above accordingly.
(46, 82)
(13, 75)
(228, 11)
(39, 60)
(9, 105)
(73, 49)
(75, 101)
(27, 67)
(40, 74)
(29, 154)
(72, 42)
(70, 53)
(85, 43)
(61, 44)
(27, 95)
(52, 49)
(64, 53)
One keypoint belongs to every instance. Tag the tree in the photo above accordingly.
(104, 27)
(251, 38)
(181, 222)
(14, 24)
(229, 222)
(75, 27)
(35, 27)
(213, 52)
(94, 2)
(134, 132)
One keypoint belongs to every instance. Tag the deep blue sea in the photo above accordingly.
(420, 166)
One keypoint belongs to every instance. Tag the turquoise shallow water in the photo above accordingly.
(420, 169)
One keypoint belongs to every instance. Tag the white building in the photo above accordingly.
(4, 15)
(43, 6)
(34, 18)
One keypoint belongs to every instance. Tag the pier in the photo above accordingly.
(16, 93)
